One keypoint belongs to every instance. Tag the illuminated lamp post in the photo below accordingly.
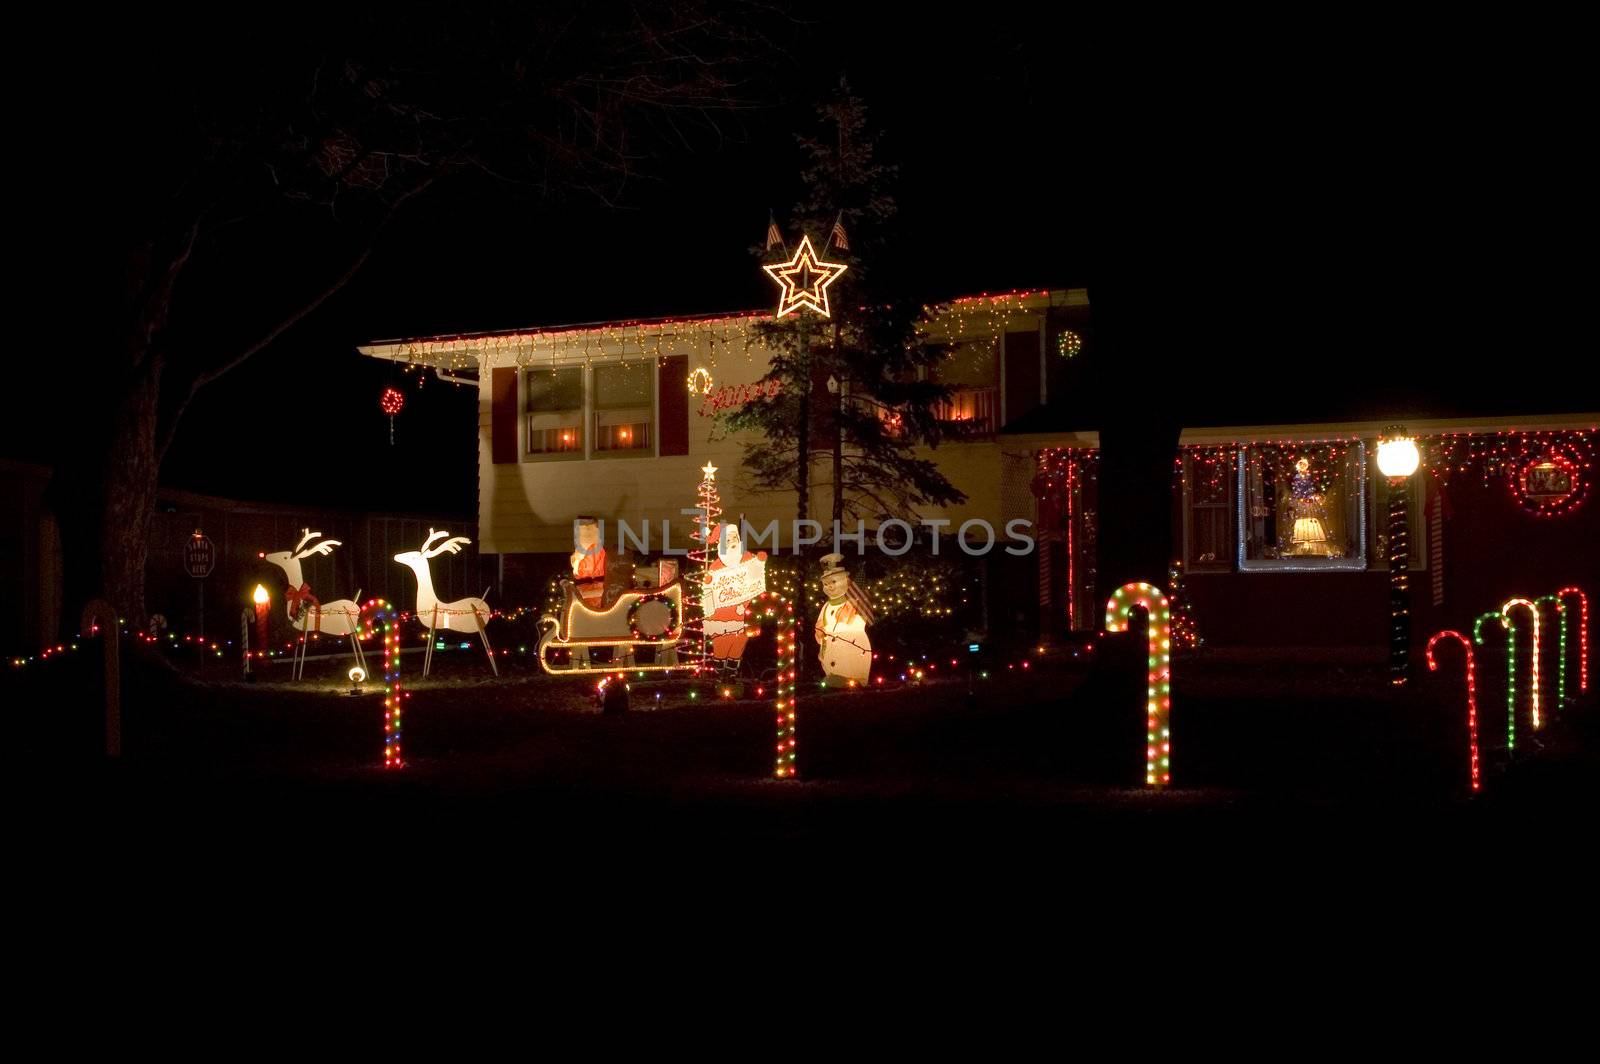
(1398, 460)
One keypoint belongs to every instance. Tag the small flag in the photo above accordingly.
(837, 237)
(774, 238)
(858, 598)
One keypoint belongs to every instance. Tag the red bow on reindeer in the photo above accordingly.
(295, 597)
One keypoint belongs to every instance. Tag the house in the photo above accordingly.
(617, 419)
(1283, 528)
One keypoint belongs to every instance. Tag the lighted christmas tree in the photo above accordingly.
(696, 645)
(1185, 633)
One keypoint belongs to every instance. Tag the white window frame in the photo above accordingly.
(526, 429)
(1299, 565)
(652, 369)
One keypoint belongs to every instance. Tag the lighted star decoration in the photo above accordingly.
(709, 470)
(805, 280)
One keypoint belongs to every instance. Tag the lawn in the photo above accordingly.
(1264, 749)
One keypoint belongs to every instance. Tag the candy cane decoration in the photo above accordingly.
(771, 606)
(1583, 634)
(1511, 670)
(1472, 694)
(1158, 677)
(1533, 611)
(1561, 646)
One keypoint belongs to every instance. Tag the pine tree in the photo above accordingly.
(848, 389)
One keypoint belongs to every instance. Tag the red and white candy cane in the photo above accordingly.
(1472, 694)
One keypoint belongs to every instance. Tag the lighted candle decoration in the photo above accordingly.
(1533, 611)
(1583, 634)
(771, 606)
(384, 617)
(1511, 669)
(1472, 694)
(1158, 679)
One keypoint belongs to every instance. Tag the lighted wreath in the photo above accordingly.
(700, 382)
(652, 618)
(1553, 483)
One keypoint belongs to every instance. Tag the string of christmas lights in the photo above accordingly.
(771, 607)
(1583, 633)
(386, 619)
(1399, 584)
(1185, 633)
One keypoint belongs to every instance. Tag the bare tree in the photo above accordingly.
(299, 148)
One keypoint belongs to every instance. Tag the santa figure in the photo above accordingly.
(725, 620)
(589, 563)
(841, 628)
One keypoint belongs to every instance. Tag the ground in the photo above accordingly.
(1274, 753)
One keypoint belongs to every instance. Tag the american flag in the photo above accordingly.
(774, 238)
(837, 238)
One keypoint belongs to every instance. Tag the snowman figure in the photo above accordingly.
(841, 628)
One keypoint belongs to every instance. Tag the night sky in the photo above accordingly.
(1284, 222)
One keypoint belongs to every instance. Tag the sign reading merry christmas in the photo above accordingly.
(735, 584)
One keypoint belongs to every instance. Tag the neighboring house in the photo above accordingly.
(599, 419)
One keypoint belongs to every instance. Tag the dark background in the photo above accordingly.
(1276, 222)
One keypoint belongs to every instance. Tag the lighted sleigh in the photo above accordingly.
(627, 619)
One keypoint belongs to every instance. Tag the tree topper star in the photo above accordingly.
(709, 470)
(805, 280)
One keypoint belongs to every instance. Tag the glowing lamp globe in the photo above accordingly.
(357, 674)
(260, 596)
(1398, 457)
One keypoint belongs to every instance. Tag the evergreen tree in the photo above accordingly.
(849, 406)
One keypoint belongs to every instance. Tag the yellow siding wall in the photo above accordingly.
(528, 507)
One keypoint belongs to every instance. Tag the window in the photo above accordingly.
(554, 405)
(1302, 506)
(1208, 509)
(974, 403)
(623, 400)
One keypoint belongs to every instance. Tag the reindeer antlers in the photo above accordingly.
(451, 546)
(325, 547)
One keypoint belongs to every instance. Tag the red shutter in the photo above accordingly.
(503, 414)
(1022, 373)
(672, 388)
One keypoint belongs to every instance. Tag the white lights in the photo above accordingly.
(1398, 457)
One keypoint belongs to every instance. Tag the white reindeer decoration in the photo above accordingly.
(462, 615)
(306, 614)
